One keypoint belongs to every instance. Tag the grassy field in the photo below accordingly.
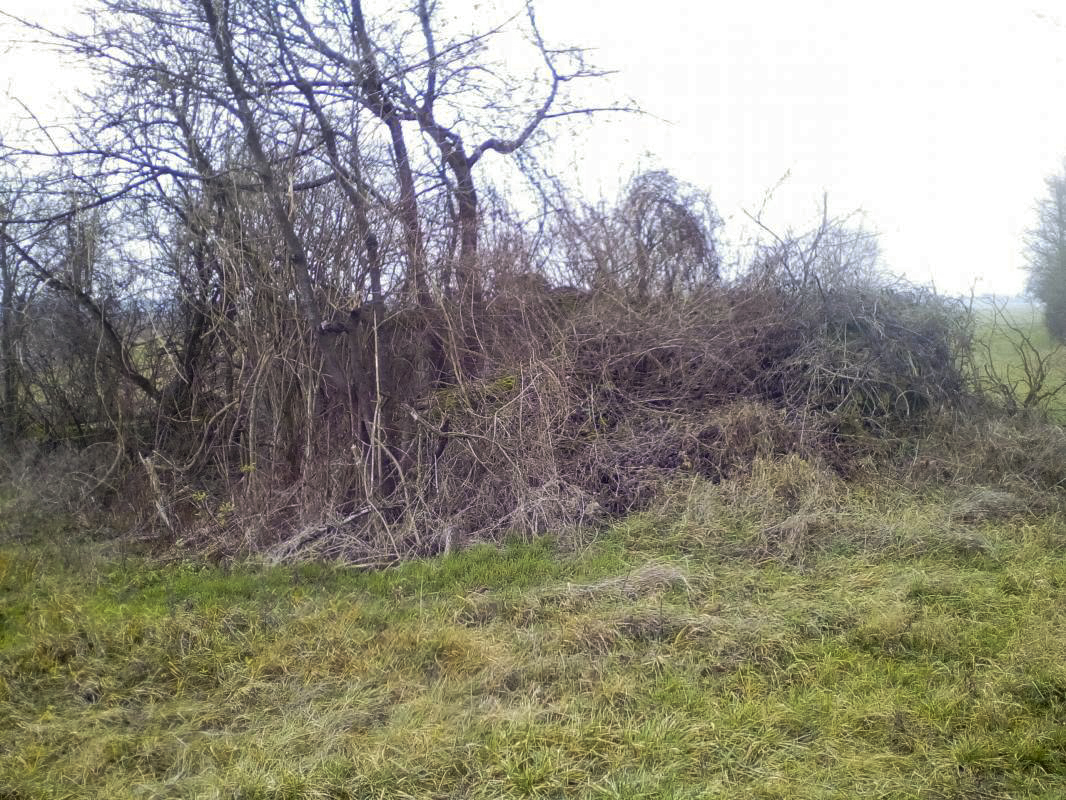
(738, 644)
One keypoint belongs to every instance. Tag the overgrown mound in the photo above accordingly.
(603, 402)
(579, 406)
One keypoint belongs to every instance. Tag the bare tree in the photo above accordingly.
(14, 294)
(282, 176)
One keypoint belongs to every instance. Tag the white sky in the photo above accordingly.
(939, 119)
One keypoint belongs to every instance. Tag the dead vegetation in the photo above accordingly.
(584, 407)
(311, 328)
(649, 579)
(595, 411)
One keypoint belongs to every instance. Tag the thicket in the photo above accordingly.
(248, 310)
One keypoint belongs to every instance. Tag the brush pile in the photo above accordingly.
(601, 402)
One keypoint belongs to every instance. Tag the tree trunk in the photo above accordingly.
(380, 104)
(305, 294)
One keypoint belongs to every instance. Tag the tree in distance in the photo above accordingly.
(1045, 246)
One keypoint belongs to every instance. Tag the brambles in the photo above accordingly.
(603, 404)
(281, 327)
(582, 407)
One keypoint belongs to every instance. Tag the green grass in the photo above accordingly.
(690, 653)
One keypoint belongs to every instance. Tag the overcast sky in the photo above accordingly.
(939, 119)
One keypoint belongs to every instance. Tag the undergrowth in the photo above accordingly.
(784, 635)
